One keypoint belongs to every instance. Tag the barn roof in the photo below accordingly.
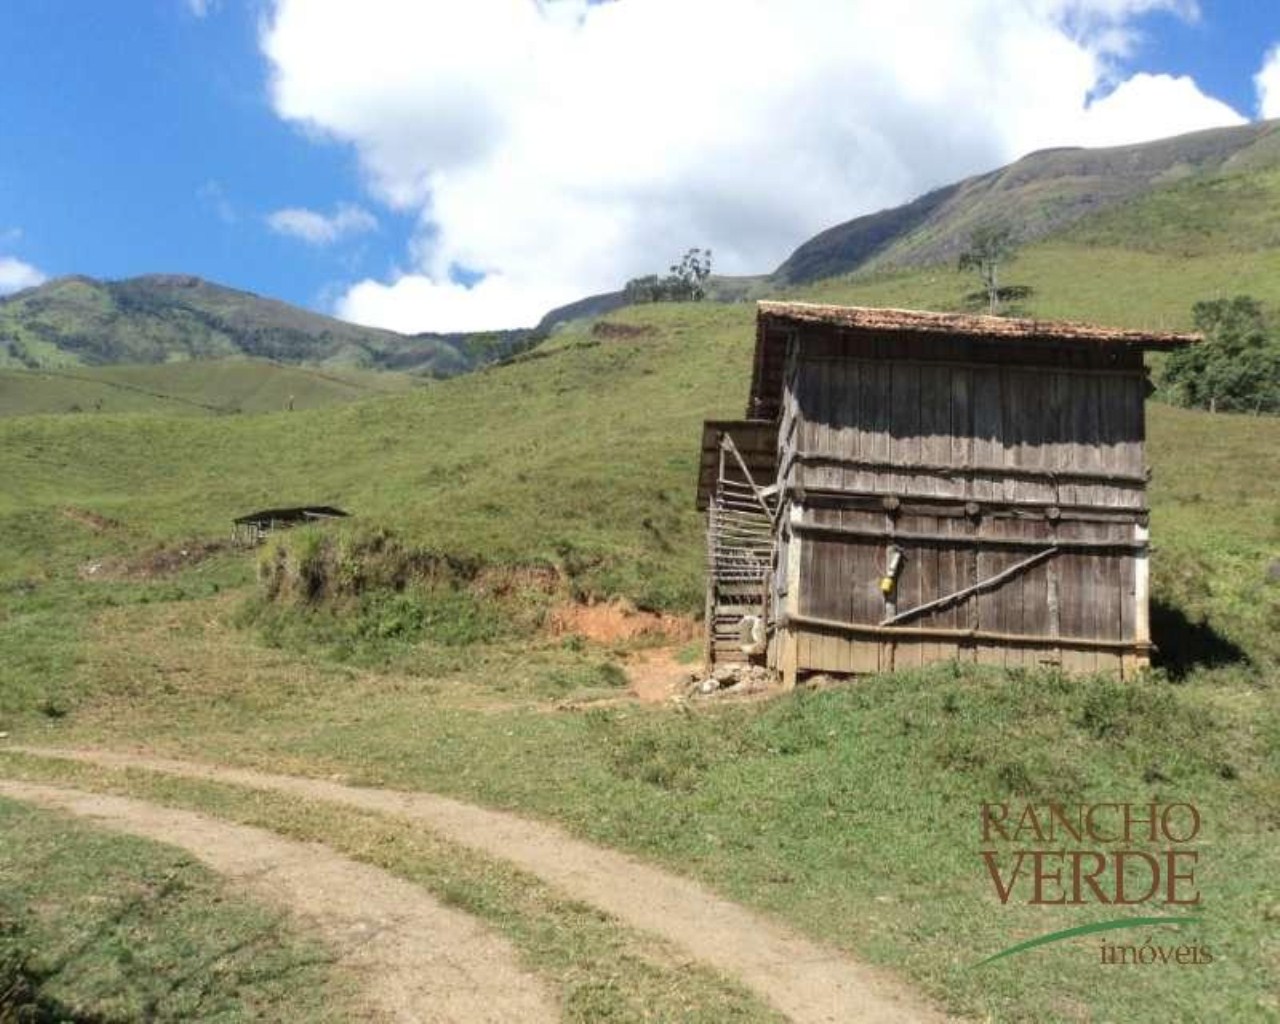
(774, 318)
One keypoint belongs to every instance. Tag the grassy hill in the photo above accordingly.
(217, 387)
(526, 461)
(78, 321)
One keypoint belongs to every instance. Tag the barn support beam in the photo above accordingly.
(957, 540)
(953, 471)
(1142, 607)
(1109, 372)
(914, 503)
(891, 633)
(789, 648)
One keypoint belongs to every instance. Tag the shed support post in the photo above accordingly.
(1054, 595)
(1134, 663)
(709, 650)
(789, 654)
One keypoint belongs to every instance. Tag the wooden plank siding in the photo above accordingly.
(969, 457)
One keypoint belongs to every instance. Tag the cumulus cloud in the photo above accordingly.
(561, 148)
(16, 275)
(1267, 82)
(1147, 107)
(414, 303)
(320, 228)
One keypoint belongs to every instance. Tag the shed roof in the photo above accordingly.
(773, 319)
(757, 443)
(293, 514)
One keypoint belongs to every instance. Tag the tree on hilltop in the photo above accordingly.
(691, 273)
(686, 281)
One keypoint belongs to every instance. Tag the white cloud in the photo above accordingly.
(202, 8)
(1267, 82)
(16, 275)
(563, 147)
(414, 303)
(1147, 107)
(319, 228)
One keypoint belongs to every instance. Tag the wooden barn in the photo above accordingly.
(910, 487)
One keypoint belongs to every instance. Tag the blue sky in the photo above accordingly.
(1222, 50)
(147, 143)
(445, 165)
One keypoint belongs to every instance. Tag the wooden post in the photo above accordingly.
(974, 520)
(709, 650)
(789, 657)
(888, 649)
(1054, 597)
(1142, 605)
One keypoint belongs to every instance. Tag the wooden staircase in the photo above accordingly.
(740, 555)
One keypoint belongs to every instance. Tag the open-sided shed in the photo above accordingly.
(943, 486)
(254, 526)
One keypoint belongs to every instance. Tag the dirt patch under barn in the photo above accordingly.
(617, 621)
(657, 675)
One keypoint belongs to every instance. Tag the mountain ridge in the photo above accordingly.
(1039, 194)
(77, 320)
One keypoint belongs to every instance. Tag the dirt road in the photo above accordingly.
(809, 983)
(417, 960)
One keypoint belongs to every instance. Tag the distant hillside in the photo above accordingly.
(1040, 195)
(192, 388)
(79, 321)
(720, 288)
(848, 246)
(583, 309)
(1141, 262)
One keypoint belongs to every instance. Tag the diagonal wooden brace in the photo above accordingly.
(987, 584)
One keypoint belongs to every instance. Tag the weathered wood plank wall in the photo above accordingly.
(969, 456)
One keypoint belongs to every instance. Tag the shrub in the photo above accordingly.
(367, 598)
(1236, 368)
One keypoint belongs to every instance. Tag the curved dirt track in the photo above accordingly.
(808, 982)
(417, 960)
